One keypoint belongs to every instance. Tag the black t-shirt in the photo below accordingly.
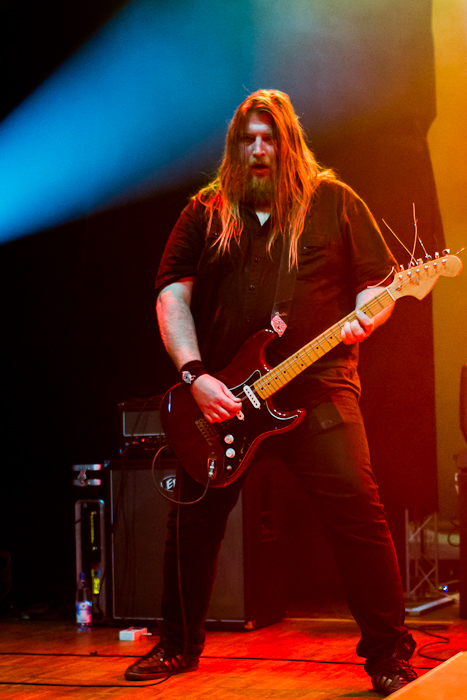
(341, 252)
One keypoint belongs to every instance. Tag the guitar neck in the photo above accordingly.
(294, 365)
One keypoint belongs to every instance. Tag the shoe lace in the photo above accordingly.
(396, 668)
(162, 653)
(159, 651)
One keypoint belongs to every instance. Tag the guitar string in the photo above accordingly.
(371, 306)
(290, 364)
(329, 336)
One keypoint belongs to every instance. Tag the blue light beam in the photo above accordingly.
(145, 104)
(147, 97)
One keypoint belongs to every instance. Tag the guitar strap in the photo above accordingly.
(284, 292)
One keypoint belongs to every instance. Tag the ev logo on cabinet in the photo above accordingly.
(168, 483)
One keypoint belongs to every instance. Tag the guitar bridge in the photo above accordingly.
(207, 430)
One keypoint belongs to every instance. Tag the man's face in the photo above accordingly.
(258, 154)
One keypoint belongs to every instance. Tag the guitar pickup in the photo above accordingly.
(251, 396)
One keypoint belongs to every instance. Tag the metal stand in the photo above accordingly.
(422, 574)
(90, 540)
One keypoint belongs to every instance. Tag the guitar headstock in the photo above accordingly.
(418, 280)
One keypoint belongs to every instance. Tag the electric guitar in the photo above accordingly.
(220, 452)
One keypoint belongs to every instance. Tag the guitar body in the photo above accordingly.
(228, 447)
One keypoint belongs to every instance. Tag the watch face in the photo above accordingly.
(187, 377)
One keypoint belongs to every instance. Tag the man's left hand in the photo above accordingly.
(363, 326)
(358, 330)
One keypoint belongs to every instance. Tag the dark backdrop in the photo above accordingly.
(78, 320)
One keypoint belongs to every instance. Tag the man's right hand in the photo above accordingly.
(215, 400)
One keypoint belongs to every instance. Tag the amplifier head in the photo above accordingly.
(140, 423)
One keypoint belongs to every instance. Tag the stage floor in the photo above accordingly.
(300, 657)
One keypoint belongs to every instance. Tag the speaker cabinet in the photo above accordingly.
(250, 589)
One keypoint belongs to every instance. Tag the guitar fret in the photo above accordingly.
(315, 350)
(378, 301)
(377, 304)
(308, 359)
(291, 365)
(278, 377)
(331, 340)
(267, 385)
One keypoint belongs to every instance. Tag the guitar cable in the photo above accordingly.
(173, 500)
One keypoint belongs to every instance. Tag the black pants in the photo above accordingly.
(328, 453)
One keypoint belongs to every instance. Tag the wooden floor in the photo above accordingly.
(296, 658)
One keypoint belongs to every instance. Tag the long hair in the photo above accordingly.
(297, 175)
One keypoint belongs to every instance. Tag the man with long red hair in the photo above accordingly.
(277, 238)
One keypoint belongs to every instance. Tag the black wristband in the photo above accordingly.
(192, 370)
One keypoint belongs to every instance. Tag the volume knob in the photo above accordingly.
(230, 453)
(229, 439)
